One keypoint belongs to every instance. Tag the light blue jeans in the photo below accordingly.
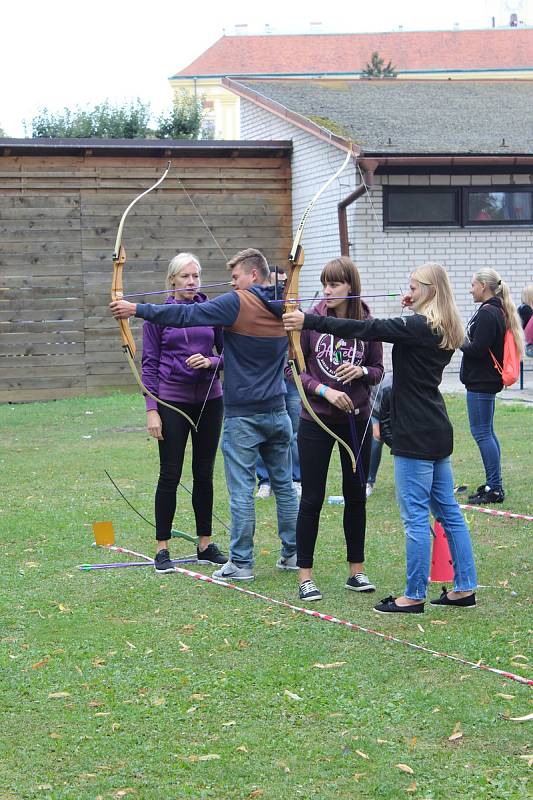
(293, 404)
(422, 486)
(243, 439)
(481, 418)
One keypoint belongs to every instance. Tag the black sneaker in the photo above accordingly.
(485, 495)
(461, 602)
(308, 591)
(211, 555)
(162, 562)
(388, 605)
(359, 583)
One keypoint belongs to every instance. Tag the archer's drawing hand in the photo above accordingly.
(293, 320)
(153, 425)
(198, 361)
(122, 309)
(406, 301)
(339, 400)
(348, 372)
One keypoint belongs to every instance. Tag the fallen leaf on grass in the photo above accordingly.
(191, 710)
(229, 724)
(256, 793)
(438, 622)
(103, 714)
(124, 792)
(284, 767)
(58, 695)
(39, 664)
(196, 697)
(130, 645)
(292, 695)
(405, 768)
(242, 749)
(158, 701)
(98, 662)
(521, 719)
(358, 775)
(383, 741)
(455, 736)
(264, 552)
(529, 758)
(95, 704)
(330, 666)
(54, 736)
(64, 609)
(209, 757)
(188, 628)
(505, 696)
(183, 647)
(363, 755)
(411, 788)
(519, 657)
(420, 628)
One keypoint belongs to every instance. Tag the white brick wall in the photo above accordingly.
(386, 257)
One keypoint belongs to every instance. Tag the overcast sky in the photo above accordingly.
(62, 53)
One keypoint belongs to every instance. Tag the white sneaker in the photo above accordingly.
(263, 492)
(369, 489)
(287, 562)
(231, 572)
(297, 486)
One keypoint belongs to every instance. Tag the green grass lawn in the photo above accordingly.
(127, 684)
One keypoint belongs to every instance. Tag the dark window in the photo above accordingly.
(458, 206)
(502, 206)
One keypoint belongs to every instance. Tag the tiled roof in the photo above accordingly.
(409, 116)
(348, 53)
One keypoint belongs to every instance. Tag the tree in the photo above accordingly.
(104, 121)
(184, 120)
(375, 68)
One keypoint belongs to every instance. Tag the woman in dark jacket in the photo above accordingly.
(422, 435)
(479, 373)
(179, 367)
(337, 380)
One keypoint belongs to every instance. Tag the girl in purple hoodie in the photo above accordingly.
(179, 366)
(337, 380)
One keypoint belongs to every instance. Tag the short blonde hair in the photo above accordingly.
(177, 264)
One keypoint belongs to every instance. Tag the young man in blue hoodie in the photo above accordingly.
(255, 418)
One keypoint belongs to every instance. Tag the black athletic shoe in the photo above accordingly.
(162, 562)
(461, 602)
(388, 605)
(485, 494)
(359, 583)
(211, 555)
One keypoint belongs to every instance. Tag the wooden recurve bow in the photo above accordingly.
(296, 359)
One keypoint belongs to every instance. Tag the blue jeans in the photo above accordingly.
(293, 403)
(422, 486)
(243, 439)
(481, 417)
(375, 457)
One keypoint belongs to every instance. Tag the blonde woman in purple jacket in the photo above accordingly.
(179, 366)
(339, 374)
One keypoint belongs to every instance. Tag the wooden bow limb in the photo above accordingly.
(296, 359)
(117, 293)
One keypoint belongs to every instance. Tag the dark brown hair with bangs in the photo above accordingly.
(343, 270)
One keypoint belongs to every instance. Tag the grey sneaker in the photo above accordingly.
(231, 572)
(359, 583)
(287, 562)
(162, 562)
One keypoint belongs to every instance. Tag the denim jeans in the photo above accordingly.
(243, 439)
(422, 486)
(293, 404)
(375, 457)
(481, 417)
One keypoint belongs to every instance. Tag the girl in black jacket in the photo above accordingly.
(422, 435)
(486, 332)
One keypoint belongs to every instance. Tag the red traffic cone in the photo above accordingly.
(441, 559)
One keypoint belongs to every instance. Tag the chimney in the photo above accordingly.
(513, 22)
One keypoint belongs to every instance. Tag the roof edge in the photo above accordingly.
(139, 147)
(292, 117)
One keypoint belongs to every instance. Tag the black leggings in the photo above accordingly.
(176, 431)
(315, 447)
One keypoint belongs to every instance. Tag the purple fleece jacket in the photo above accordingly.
(318, 349)
(165, 350)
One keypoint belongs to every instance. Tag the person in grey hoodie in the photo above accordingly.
(180, 367)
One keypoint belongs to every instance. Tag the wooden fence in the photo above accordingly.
(58, 221)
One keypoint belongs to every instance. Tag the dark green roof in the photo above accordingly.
(408, 116)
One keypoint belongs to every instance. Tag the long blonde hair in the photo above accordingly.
(500, 289)
(527, 295)
(438, 305)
